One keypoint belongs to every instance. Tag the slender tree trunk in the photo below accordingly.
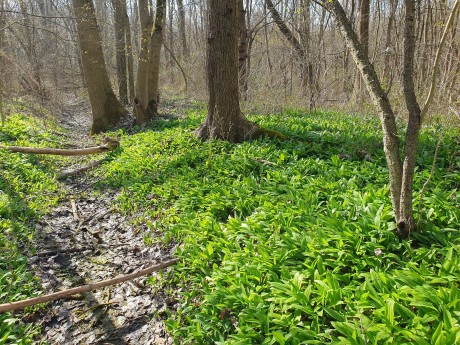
(129, 52)
(142, 96)
(155, 51)
(364, 9)
(105, 106)
(243, 51)
(406, 220)
(2, 76)
(183, 37)
(388, 41)
(380, 99)
(305, 36)
(120, 47)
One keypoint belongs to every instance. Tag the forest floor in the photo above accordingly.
(279, 242)
(86, 239)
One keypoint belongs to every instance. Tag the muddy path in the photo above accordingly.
(85, 239)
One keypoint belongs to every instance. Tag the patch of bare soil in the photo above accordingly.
(86, 240)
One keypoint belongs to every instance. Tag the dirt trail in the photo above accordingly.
(85, 240)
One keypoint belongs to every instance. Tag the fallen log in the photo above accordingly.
(92, 286)
(107, 144)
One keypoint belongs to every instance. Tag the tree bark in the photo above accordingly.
(380, 100)
(243, 51)
(142, 97)
(183, 36)
(2, 76)
(129, 52)
(225, 120)
(120, 47)
(154, 63)
(105, 106)
(406, 218)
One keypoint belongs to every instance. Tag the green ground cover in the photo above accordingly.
(285, 243)
(281, 242)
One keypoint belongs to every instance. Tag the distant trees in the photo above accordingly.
(106, 108)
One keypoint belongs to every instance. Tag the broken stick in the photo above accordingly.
(93, 286)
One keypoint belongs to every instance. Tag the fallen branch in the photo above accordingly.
(93, 286)
(68, 173)
(108, 144)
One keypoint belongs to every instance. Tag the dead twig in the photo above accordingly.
(76, 217)
(93, 286)
(263, 161)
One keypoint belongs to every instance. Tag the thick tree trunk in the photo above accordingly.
(154, 67)
(105, 106)
(225, 120)
(120, 46)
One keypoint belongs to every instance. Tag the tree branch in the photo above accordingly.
(93, 286)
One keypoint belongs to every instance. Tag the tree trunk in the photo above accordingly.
(243, 51)
(225, 120)
(183, 37)
(380, 99)
(388, 42)
(120, 47)
(129, 52)
(364, 9)
(154, 63)
(105, 106)
(2, 76)
(142, 97)
(406, 218)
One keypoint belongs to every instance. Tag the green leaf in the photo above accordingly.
(336, 315)
(279, 337)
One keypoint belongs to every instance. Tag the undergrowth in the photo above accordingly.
(281, 242)
(284, 242)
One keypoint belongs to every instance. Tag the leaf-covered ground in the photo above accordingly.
(291, 242)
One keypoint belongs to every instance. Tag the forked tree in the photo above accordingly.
(401, 168)
(225, 119)
(106, 108)
(148, 67)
